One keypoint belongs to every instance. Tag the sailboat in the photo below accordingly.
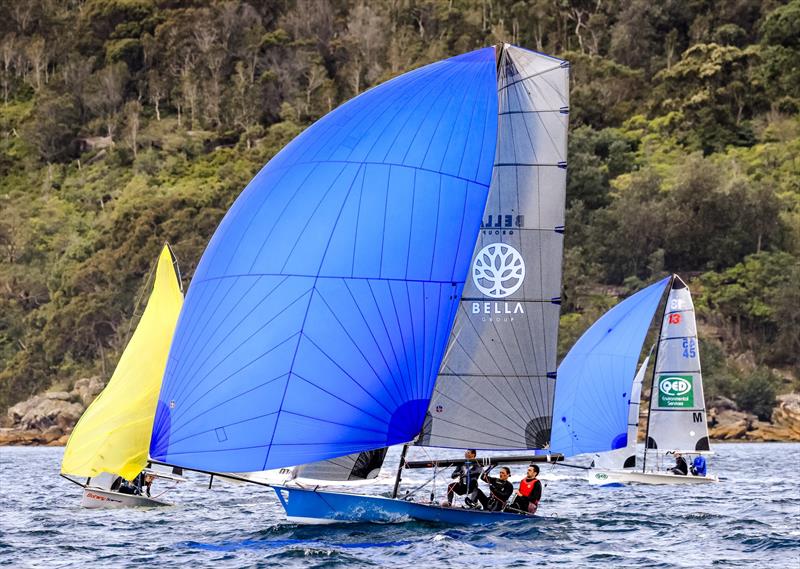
(111, 440)
(391, 277)
(595, 393)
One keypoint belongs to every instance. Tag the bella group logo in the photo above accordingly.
(675, 391)
(498, 270)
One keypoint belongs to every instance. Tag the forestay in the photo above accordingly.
(495, 389)
(677, 406)
(317, 319)
(596, 376)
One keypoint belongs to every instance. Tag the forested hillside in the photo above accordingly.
(127, 123)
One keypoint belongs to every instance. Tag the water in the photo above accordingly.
(751, 519)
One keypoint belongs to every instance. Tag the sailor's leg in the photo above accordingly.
(481, 497)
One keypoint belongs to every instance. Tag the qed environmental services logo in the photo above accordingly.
(675, 391)
(498, 270)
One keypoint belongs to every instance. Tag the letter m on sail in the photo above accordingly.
(697, 417)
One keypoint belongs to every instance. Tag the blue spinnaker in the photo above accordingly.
(590, 412)
(317, 319)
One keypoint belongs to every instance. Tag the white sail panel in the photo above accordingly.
(496, 384)
(677, 406)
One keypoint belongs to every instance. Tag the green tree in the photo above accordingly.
(713, 88)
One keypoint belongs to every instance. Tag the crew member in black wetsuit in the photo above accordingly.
(500, 489)
(681, 466)
(467, 475)
(529, 493)
(124, 487)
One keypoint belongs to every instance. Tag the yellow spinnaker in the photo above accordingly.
(113, 435)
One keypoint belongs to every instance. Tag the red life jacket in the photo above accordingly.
(525, 487)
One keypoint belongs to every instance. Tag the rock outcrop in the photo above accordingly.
(49, 418)
(787, 413)
(726, 422)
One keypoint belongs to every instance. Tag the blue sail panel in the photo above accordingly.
(319, 313)
(590, 412)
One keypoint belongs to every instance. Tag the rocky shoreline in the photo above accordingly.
(47, 419)
(728, 423)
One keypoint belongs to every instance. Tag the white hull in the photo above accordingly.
(97, 498)
(602, 477)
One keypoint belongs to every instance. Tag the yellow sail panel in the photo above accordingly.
(113, 435)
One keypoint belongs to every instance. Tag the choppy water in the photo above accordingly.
(751, 519)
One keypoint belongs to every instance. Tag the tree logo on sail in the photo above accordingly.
(498, 270)
(675, 391)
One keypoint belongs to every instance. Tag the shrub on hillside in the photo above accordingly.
(756, 393)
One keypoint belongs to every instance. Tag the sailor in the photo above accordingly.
(467, 476)
(529, 493)
(124, 487)
(148, 483)
(699, 467)
(681, 466)
(500, 490)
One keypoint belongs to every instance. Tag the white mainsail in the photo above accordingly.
(677, 419)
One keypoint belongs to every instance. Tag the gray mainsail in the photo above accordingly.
(496, 384)
(358, 466)
(677, 408)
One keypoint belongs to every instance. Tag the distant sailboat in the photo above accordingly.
(597, 396)
(677, 421)
(392, 276)
(111, 440)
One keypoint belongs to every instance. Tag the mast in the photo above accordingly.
(653, 378)
(400, 471)
(499, 51)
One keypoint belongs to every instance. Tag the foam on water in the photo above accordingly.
(752, 519)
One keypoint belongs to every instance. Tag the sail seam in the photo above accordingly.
(529, 112)
(494, 375)
(539, 164)
(308, 307)
(506, 86)
(377, 343)
(389, 339)
(179, 351)
(179, 394)
(402, 338)
(352, 341)
(344, 277)
(473, 429)
(395, 164)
